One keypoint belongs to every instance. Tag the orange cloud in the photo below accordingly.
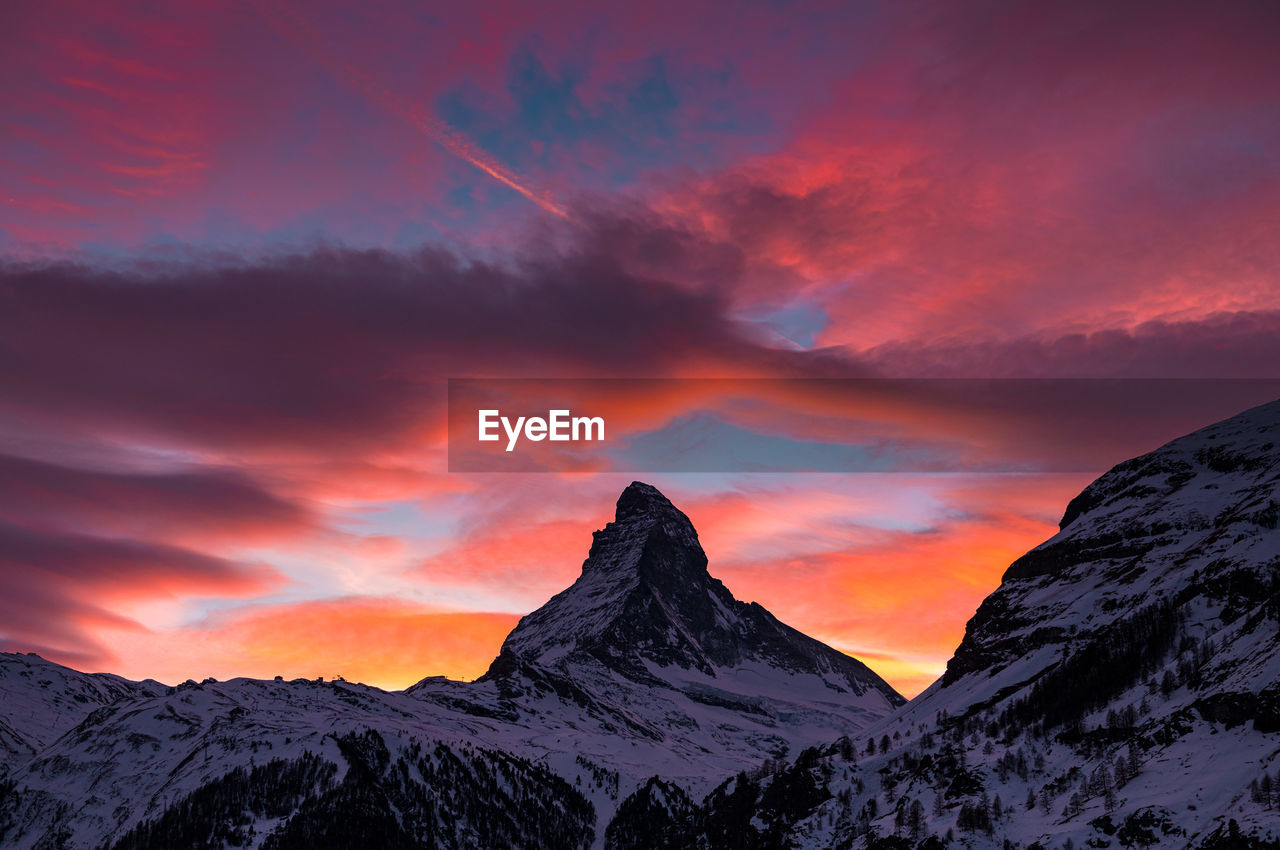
(828, 555)
(384, 642)
(62, 589)
(897, 599)
(887, 568)
(529, 560)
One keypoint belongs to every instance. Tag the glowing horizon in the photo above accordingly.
(243, 250)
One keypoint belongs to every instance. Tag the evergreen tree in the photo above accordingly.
(1075, 805)
(915, 821)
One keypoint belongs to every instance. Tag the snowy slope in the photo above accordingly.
(646, 666)
(1120, 688)
(40, 700)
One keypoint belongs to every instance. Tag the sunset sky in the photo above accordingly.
(243, 246)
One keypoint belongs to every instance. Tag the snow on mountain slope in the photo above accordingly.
(1193, 520)
(40, 700)
(645, 602)
(645, 666)
(658, 644)
(1120, 688)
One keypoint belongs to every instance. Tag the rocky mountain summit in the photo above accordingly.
(646, 604)
(1120, 688)
(646, 665)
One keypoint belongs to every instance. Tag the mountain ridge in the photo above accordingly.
(645, 599)
(677, 677)
(1120, 688)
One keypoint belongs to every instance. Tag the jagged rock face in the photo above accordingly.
(1194, 519)
(646, 600)
(1122, 685)
(648, 554)
(645, 666)
(1121, 688)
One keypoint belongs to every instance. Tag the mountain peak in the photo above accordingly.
(646, 524)
(645, 601)
(650, 549)
(641, 498)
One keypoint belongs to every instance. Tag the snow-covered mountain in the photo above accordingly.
(646, 665)
(44, 700)
(1120, 688)
(646, 624)
(645, 606)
